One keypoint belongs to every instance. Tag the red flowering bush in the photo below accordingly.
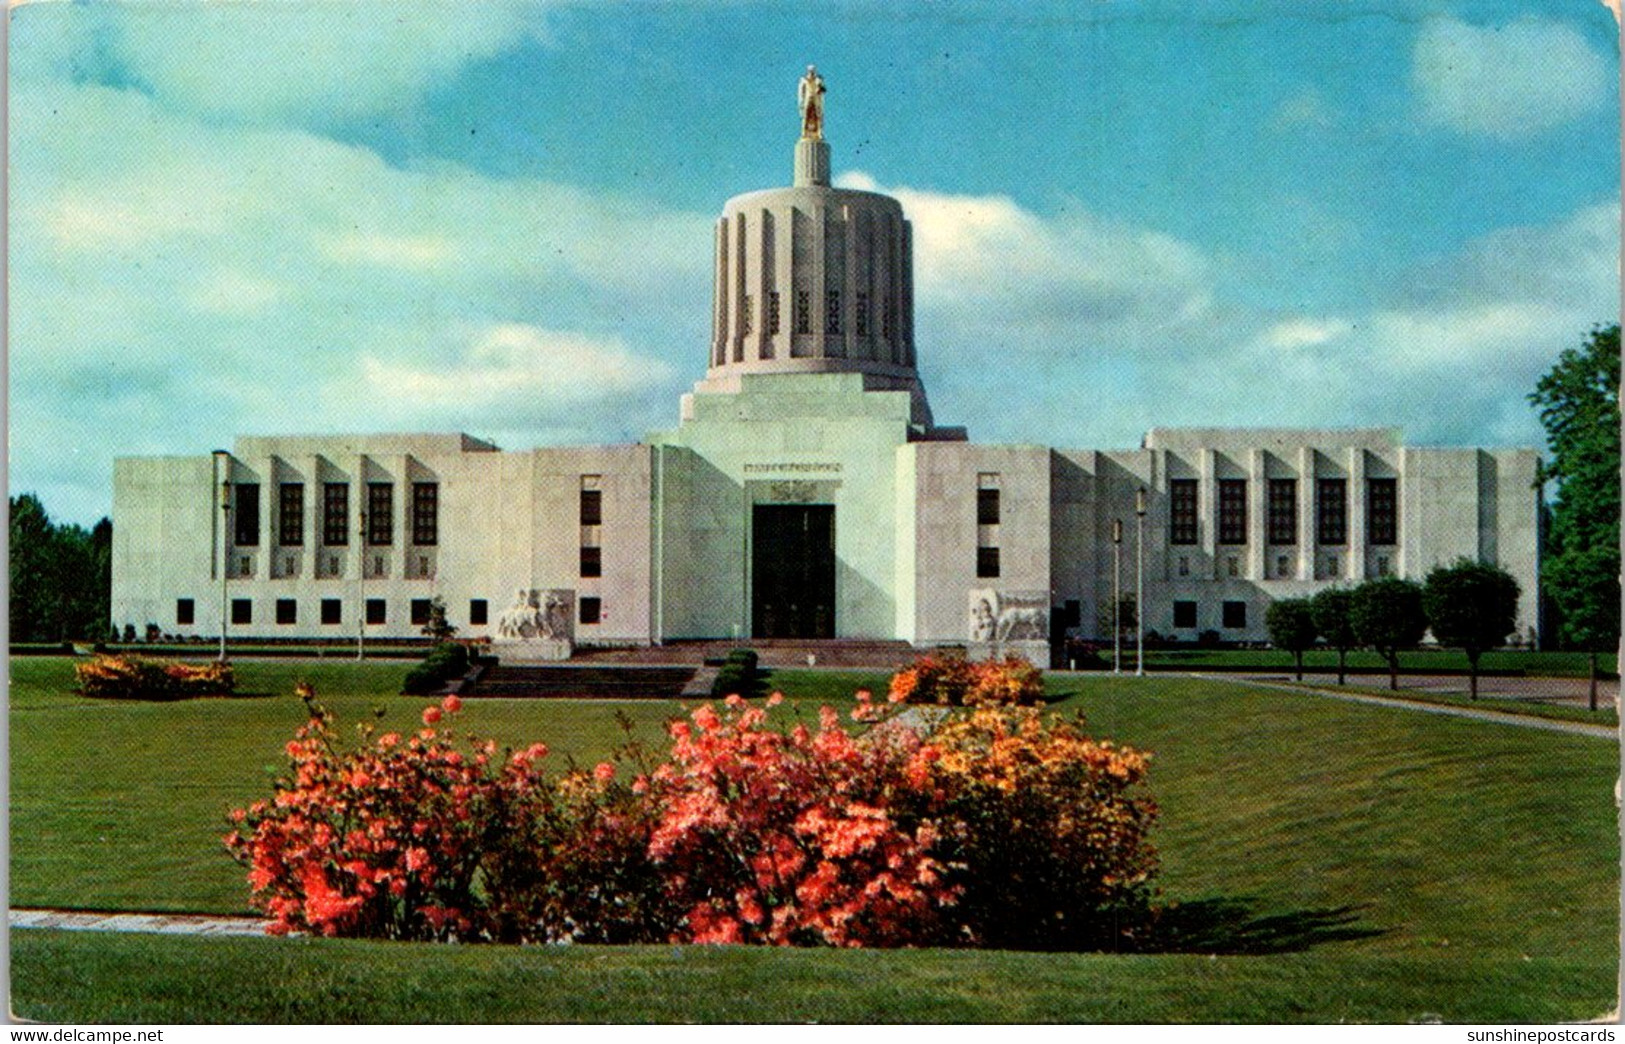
(140, 678)
(953, 681)
(1005, 828)
(385, 839)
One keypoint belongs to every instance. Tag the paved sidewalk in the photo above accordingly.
(163, 924)
(1527, 721)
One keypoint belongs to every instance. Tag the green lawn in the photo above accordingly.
(1530, 708)
(1342, 861)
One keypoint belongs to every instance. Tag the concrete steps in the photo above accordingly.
(580, 682)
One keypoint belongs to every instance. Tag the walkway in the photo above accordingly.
(163, 924)
(1575, 728)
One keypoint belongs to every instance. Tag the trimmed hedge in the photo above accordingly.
(445, 661)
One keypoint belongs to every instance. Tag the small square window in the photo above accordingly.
(185, 612)
(332, 611)
(287, 611)
(420, 611)
(592, 610)
(1184, 614)
(1235, 615)
(375, 610)
(242, 611)
(478, 611)
(592, 561)
(987, 562)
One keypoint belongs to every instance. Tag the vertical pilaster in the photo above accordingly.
(1257, 523)
(1207, 509)
(1306, 513)
(1357, 513)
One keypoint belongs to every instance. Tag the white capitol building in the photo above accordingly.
(806, 492)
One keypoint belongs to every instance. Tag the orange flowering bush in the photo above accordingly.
(1003, 828)
(139, 678)
(953, 681)
(1049, 827)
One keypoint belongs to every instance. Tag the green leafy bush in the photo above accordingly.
(445, 661)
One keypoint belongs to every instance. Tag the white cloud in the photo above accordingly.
(1506, 81)
(175, 283)
(264, 59)
(1304, 333)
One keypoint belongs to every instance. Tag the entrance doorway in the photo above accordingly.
(793, 571)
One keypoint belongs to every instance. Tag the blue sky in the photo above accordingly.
(273, 217)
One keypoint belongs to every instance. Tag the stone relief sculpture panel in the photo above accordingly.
(538, 616)
(1008, 616)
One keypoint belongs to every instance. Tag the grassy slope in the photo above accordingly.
(1376, 864)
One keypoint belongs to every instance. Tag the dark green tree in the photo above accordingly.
(61, 576)
(1291, 625)
(1473, 606)
(437, 626)
(1578, 403)
(1387, 614)
(1332, 610)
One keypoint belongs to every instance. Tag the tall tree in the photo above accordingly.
(1387, 614)
(1331, 610)
(61, 575)
(1578, 403)
(1471, 605)
(1291, 624)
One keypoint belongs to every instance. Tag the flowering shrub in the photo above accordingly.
(383, 840)
(139, 678)
(1052, 840)
(953, 681)
(1004, 828)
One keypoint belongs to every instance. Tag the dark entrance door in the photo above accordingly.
(793, 571)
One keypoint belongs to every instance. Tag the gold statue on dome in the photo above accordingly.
(811, 96)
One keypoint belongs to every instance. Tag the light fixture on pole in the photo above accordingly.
(1117, 596)
(361, 589)
(1139, 582)
(223, 469)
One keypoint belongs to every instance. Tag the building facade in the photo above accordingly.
(807, 492)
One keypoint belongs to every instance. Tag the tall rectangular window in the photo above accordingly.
(1332, 511)
(1382, 511)
(242, 610)
(336, 514)
(332, 611)
(420, 611)
(747, 305)
(425, 514)
(861, 315)
(592, 561)
(185, 612)
(478, 612)
(987, 507)
(375, 610)
(1182, 511)
(888, 318)
(832, 311)
(1232, 511)
(291, 514)
(247, 514)
(380, 513)
(1283, 511)
(772, 311)
(592, 500)
(592, 609)
(803, 312)
(987, 562)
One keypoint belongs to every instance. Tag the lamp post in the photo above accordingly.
(223, 468)
(361, 589)
(1117, 596)
(1139, 582)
